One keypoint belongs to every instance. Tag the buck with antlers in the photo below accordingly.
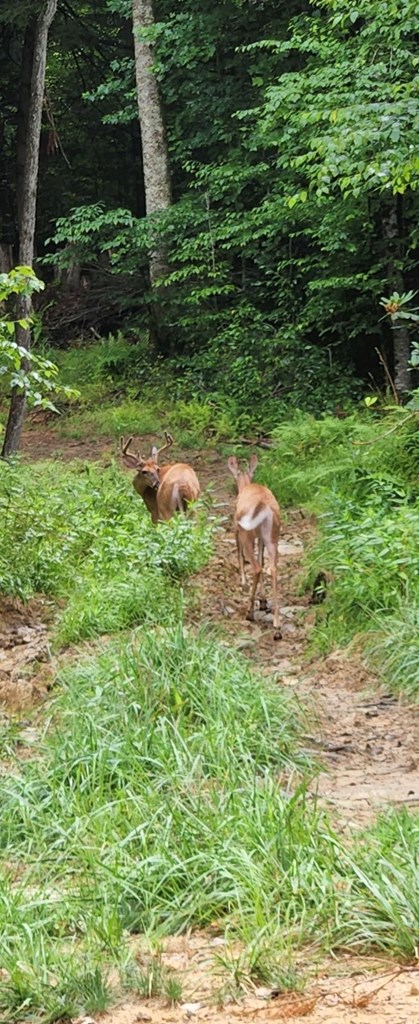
(256, 517)
(164, 489)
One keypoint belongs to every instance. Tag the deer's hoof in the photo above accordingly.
(277, 634)
(250, 616)
(263, 604)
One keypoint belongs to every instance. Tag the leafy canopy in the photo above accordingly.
(347, 120)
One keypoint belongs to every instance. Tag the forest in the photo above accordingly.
(209, 353)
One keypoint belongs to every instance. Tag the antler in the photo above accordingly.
(124, 449)
(169, 442)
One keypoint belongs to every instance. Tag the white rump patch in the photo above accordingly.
(175, 496)
(251, 522)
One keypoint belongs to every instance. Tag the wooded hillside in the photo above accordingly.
(242, 184)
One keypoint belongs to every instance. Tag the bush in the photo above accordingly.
(361, 476)
(268, 374)
(393, 646)
(80, 532)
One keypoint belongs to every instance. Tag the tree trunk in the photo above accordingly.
(7, 211)
(23, 106)
(28, 210)
(157, 186)
(6, 257)
(401, 336)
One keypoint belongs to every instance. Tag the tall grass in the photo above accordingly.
(155, 803)
(80, 532)
(167, 793)
(393, 646)
(360, 476)
(380, 902)
(357, 457)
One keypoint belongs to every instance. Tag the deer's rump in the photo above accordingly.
(257, 511)
(179, 486)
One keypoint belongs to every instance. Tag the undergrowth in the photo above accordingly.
(360, 475)
(314, 460)
(154, 803)
(219, 394)
(123, 389)
(160, 799)
(192, 422)
(81, 533)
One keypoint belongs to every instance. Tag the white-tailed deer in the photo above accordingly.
(256, 517)
(164, 489)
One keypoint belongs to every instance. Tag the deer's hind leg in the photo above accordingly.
(247, 545)
(271, 538)
(263, 604)
(240, 559)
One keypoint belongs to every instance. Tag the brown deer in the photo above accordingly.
(256, 517)
(164, 489)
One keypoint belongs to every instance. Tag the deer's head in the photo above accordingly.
(242, 477)
(147, 470)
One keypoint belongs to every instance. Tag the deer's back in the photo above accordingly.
(179, 484)
(256, 506)
(182, 474)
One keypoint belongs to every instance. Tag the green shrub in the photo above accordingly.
(373, 554)
(315, 459)
(361, 475)
(392, 645)
(269, 374)
(80, 532)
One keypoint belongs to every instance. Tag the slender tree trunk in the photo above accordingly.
(6, 257)
(27, 208)
(7, 211)
(157, 185)
(23, 106)
(401, 336)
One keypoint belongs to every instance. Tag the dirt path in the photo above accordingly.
(345, 992)
(368, 741)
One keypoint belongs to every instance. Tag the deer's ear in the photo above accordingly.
(253, 461)
(233, 466)
(131, 461)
